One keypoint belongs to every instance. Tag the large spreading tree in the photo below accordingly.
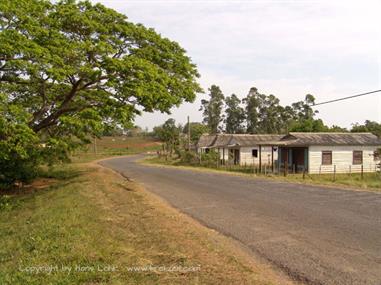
(69, 68)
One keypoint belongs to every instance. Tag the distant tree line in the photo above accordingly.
(259, 113)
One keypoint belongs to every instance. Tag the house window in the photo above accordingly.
(376, 155)
(326, 157)
(254, 153)
(357, 157)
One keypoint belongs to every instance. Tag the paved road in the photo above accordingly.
(317, 235)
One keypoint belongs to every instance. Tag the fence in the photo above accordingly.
(280, 169)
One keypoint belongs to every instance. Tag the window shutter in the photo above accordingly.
(326, 157)
(357, 157)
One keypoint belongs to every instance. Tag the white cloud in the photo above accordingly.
(287, 48)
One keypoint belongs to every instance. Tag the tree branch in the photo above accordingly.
(63, 108)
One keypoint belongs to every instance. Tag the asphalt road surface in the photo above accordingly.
(314, 234)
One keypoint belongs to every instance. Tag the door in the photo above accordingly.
(298, 159)
(236, 156)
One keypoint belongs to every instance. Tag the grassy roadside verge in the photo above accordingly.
(91, 226)
(370, 181)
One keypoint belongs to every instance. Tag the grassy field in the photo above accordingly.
(113, 146)
(370, 181)
(83, 224)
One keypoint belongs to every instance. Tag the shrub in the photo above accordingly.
(188, 157)
(210, 159)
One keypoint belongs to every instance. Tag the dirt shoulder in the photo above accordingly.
(183, 240)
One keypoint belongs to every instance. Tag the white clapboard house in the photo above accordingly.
(298, 152)
(330, 152)
(242, 149)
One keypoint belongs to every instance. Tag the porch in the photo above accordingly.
(293, 159)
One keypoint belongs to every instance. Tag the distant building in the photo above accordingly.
(297, 152)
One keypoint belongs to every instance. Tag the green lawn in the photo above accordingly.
(100, 226)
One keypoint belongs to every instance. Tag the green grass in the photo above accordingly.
(370, 181)
(114, 146)
(53, 227)
(91, 218)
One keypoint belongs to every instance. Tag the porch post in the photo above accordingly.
(286, 163)
(272, 158)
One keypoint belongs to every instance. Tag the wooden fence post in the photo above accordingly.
(362, 171)
(304, 172)
(334, 172)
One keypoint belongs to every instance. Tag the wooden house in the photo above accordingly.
(298, 152)
(329, 152)
(242, 149)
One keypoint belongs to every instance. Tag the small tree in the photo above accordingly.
(169, 133)
(197, 129)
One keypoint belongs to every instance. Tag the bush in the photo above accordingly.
(19, 148)
(188, 157)
(210, 159)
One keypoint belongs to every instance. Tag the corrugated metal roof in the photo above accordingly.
(305, 139)
(221, 140)
(206, 140)
(292, 139)
(249, 140)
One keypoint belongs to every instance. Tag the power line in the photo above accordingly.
(345, 98)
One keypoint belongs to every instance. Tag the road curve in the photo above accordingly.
(316, 235)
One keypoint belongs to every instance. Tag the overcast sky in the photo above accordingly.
(285, 48)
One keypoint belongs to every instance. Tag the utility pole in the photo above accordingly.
(189, 135)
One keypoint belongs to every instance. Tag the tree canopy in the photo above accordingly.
(70, 68)
(259, 113)
(235, 115)
(197, 129)
(212, 109)
(368, 126)
(168, 133)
